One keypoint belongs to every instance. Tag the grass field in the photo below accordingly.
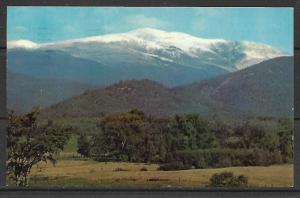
(73, 171)
(80, 173)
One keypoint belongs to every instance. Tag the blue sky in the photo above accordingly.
(273, 26)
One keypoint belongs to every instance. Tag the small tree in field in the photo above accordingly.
(84, 146)
(29, 143)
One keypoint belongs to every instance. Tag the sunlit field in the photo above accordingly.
(80, 173)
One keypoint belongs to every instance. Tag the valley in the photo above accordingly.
(156, 109)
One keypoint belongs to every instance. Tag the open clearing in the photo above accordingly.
(81, 173)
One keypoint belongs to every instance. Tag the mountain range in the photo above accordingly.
(170, 58)
(156, 71)
(264, 89)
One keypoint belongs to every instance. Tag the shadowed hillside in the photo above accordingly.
(147, 95)
(265, 89)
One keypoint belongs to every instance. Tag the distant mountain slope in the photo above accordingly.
(51, 64)
(171, 58)
(25, 92)
(55, 64)
(146, 95)
(263, 89)
(266, 89)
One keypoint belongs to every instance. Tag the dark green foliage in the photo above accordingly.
(187, 141)
(126, 137)
(224, 157)
(29, 143)
(84, 145)
(286, 140)
(193, 132)
(175, 165)
(228, 179)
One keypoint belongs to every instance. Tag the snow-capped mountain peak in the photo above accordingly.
(183, 41)
(152, 43)
(149, 38)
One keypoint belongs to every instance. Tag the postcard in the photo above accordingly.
(144, 97)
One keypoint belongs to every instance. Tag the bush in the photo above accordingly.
(240, 181)
(227, 179)
(144, 169)
(120, 169)
(157, 179)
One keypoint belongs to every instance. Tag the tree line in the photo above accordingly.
(187, 141)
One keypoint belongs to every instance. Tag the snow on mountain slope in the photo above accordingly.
(256, 53)
(150, 39)
(169, 47)
(22, 44)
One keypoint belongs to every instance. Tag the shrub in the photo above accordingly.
(144, 169)
(120, 169)
(157, 179)
(240, 181)
(228, 179)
